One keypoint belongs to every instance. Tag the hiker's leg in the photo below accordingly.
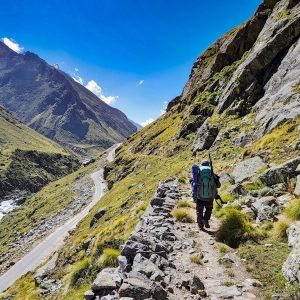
(208, 210)
(199, 209)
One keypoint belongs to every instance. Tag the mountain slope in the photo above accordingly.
(53, 104)
(240, 101)
(28, 160)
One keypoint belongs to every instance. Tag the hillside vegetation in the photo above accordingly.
(241, 101)
(28, 160)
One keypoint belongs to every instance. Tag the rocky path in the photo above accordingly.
(164, 259)
(223, 275)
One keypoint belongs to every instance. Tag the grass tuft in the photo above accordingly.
(227, 283)
(223, 249)
(293, 210)
(196, 259)
(235, 228)
(280, 228)
(109, 258)
(182, 216)
(79, 271)
(185, 204)
(181, 180)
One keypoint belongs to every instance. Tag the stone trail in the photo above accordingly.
(155, 262)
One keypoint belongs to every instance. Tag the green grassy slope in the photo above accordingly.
(28, 160)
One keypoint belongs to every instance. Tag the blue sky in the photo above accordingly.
(135, 55)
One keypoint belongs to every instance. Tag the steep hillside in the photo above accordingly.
(28, 160)
(52, 103)
(240, 104)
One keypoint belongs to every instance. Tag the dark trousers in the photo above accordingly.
(200, 205)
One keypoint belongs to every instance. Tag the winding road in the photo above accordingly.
(55, 240)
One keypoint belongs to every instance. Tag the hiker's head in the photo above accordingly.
(205, 162)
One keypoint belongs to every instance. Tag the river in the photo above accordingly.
(6, 206)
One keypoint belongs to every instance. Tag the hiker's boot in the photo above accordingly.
(206, 224)
(200, 225)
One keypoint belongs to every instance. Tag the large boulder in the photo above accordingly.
(205, 136)
(107, 279)
(140, 289)
(281, 173)
(297, 187)
(247, 169)
(145, 266)
(45, 270)
(291, 267)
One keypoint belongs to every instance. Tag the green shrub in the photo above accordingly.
(293, 210)
(196, 259)
(227, 283)
(280, 228)
(228, 197)
(109, 258)
(223, 249)
(141, 209)
(182, 216)
(268, 225)
(181, 180)
(79, 270)
(235, 228)
(230, 274)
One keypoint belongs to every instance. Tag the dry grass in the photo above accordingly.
(183, 216)
(109, 258)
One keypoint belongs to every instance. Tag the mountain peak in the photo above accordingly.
(56, 106)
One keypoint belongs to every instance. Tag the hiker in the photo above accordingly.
(204, 190)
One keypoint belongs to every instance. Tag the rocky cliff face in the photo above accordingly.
(251, 70)
(56, 106)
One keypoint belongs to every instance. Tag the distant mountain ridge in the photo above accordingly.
(52, 103)
(138, 126)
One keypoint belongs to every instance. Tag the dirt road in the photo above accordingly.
(55, 240)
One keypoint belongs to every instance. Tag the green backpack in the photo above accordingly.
(206, 187)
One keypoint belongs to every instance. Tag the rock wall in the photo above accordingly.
(144, 270)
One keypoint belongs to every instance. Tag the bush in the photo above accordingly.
(196, 259)
(280, 228)
(109, 258)
(182, 216)
(293, 210)
(235, 228)
(79, 271)
(141, 209)
(228, 197)
(181, 180)
(223, 249)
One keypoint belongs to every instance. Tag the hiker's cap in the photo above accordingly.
(204, 162)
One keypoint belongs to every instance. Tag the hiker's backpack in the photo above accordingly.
(204, 186)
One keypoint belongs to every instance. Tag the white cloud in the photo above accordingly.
(12, 45)
(97, 90)
(162, 111)
(141, 81)
(147, 122)
(76, 70)
(78, 79)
